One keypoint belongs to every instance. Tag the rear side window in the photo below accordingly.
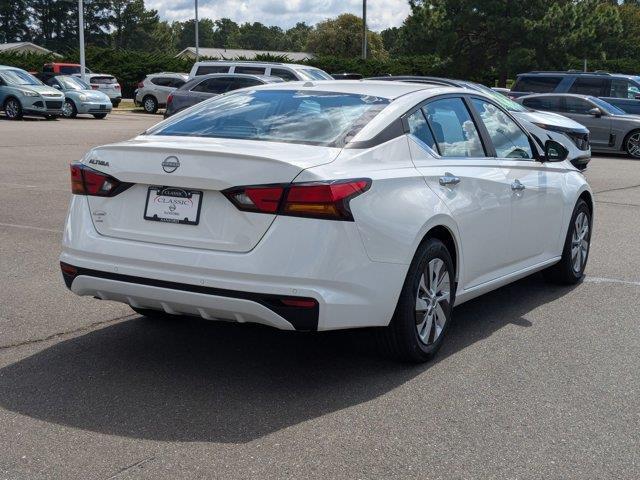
(623, 89)
(286, 75)
(162, 81)
(312, 118)
(455, 132)
(507, 137)
(588, 86)
(536, 83)
(543, 103)
(419, 128)
(206, 69)
(241, 82)
(577, 105)
(249, 70)
(177, 82)
(213, 85)
(69, 69)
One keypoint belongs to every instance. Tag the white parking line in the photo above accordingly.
(611, 280)
(41, 187)
(30, 227)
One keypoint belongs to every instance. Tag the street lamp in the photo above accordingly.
(197, 39)
(364, 29)
(83, 72)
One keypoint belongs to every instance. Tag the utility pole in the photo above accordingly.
(83, 68)
(364, 29)
(197, 38)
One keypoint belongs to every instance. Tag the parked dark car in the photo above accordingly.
(206, 86)
(612, 130)
(622, 91)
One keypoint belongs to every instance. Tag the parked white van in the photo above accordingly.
(289, 72)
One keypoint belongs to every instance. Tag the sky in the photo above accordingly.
(381, 14)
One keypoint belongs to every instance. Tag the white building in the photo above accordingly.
(24, 47)
(233, 53)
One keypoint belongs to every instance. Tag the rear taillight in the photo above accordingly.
(117, 86)
(94, 87)
(169, 99)
(87, 181)
(328, 200)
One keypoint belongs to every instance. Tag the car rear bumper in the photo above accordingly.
(297, 258)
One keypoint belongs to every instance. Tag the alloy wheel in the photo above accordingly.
(67, 109)
(580, 242)
(633, 145)
(12, 109)
(432, 301)
(150, 105)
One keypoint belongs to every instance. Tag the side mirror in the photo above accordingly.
(555, 151)
(57, 87)
(596, 112)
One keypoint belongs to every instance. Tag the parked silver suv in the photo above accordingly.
(289, 72)
(152, 92)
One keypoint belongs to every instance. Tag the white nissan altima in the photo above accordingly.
(327, 205)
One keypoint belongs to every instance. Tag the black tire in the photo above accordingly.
(115, 103)
(150, 104)
(565, 271)
(51, 117)
(401, 339)
(13, 108)
(100, 116)
(632, 144)
(69, 109)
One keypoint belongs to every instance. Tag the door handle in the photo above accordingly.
(517, 186)
(449, 179)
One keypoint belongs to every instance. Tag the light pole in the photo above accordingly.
(364, 29)
(83, 73)
(197, 39)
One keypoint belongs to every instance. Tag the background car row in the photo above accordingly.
(23, 94)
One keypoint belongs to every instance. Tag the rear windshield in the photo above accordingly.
(103, 80)
(536, 84)
(312, 118)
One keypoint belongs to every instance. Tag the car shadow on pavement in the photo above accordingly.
(193, 380)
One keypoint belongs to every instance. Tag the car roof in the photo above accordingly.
(252, 62)
(559, 94)
(264, 78)
(597, 73)
(377, 88)
(165, 74)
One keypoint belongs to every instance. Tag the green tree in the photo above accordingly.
(13, 21)
(186, 33)
(225, 31)
(296, 37)
(342, 36)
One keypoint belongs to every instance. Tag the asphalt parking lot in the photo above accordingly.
(534, 381)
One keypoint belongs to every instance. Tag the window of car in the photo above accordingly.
(576, 105)
(47, 69)
(453, 128)
(506, 135)
(419, 128)
(162, 81)
(315, 74)
(536, 83)
(19, 77)
(621, 88)
(249, 70)
(552, 104)
(313, 118)
(213, 85)
(207, 69)
(607, 107)
(588, 86)
(177, 82)
(286, 75)
(243, 82)
(70, 69)
(103, 80)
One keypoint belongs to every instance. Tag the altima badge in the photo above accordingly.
(170, 164)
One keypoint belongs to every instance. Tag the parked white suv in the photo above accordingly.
(153, 91)
(105, 83)
(289, 72)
